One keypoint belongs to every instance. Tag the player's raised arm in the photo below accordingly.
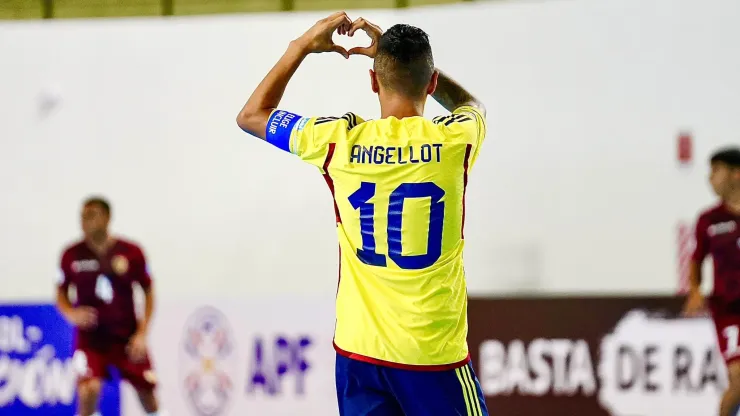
(463, 106)
(254, 116)
(451, 95)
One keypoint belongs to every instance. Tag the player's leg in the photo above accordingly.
(148, 400)
(438, 393)
(92, 365)
(141, 376)
(731, 397)
(361, 390)
(727, 324)
(88, 394)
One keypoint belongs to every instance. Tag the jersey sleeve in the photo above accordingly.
(141, 270)
(308, 137)
(701, 240)
(468, 122)
(64, 274)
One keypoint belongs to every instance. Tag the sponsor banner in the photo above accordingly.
(38, 374)
(595, 357)
(256, 356)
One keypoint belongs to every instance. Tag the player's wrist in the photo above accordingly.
(69, 316)
(300, 46)
(72, 314)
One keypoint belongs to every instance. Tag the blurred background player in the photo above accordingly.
(718, 235)
(399, 188)
(96, 295)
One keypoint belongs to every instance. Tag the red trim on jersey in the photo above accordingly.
(468, 148)
(339, 273)
(375, 361)
(329, 180)
(330, 183)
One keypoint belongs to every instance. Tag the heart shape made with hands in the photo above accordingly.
(370, 31)
(320, 37)
(359, 41)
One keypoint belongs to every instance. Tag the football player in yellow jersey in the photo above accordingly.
(399, 189)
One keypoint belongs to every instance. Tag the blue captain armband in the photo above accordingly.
(279, 127)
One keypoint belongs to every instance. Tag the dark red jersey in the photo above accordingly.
(106, 284)
(718, 235)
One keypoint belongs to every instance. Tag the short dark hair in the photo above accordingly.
(99, 201)
(730, 156)
(404, 62)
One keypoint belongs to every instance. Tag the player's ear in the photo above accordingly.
(735, 174)
(433, 83)
(374, 82)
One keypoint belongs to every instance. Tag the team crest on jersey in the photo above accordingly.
(119, 264)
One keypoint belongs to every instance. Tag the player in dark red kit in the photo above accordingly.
(718, 235)
(96, 295)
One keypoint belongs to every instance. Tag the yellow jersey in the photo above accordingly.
(399, 199)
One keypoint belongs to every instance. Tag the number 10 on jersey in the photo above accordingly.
(368, 254)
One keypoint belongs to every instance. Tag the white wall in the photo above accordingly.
(577, 188)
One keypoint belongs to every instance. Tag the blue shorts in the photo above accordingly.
(365, 389)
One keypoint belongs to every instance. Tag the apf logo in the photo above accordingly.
(207, 362)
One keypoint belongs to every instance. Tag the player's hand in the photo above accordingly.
(695, 305)
(136, 348)
(372, 30)
(319, 38)
(84, 317)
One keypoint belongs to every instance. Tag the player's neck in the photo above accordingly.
(733, 203)
(100, 244)
(400, 107)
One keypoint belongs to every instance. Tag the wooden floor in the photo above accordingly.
(37, 9)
